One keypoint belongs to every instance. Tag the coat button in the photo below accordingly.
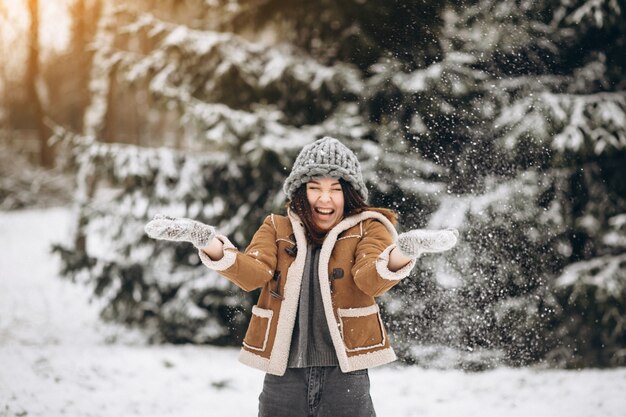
(337, 273)
(292, 251)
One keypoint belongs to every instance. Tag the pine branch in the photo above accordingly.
(591, 123)
(194, 69)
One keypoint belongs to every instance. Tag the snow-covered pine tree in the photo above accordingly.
(536, 136)
(504, 119)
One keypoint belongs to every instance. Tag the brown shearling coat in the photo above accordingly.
(352, 271)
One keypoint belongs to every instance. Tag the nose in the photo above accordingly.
(325, 196)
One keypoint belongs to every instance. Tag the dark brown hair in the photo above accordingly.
(353, 204)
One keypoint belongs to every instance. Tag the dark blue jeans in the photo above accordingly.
(322, 391)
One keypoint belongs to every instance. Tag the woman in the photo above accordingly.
(316, 327)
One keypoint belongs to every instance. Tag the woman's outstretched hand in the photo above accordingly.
(415, 242)
(180, 230)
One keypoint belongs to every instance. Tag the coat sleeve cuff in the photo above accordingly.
(382, 266)
(228, 260)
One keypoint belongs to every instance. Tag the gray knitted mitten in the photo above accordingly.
(180, 230)
(415, 242)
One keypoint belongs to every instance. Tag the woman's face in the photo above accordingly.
(326, 200)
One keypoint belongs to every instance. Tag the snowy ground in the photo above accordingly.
(57, 358)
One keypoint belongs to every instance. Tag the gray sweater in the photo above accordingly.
(311, 344)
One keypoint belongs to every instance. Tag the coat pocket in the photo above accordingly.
(259, 329)
(361, 328)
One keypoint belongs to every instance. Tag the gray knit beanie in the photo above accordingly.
(326, 157)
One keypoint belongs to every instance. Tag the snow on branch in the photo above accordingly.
(592, 123)
(170, 175)
(192, 70)
(408, 172)
(500, 202)
(452, 76)
(606, 273)
(595, 13)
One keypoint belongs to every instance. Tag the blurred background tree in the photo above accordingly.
(505, 119)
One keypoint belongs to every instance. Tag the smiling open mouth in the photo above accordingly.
(324, 212)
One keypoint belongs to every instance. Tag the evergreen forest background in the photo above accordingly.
(504, 119)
